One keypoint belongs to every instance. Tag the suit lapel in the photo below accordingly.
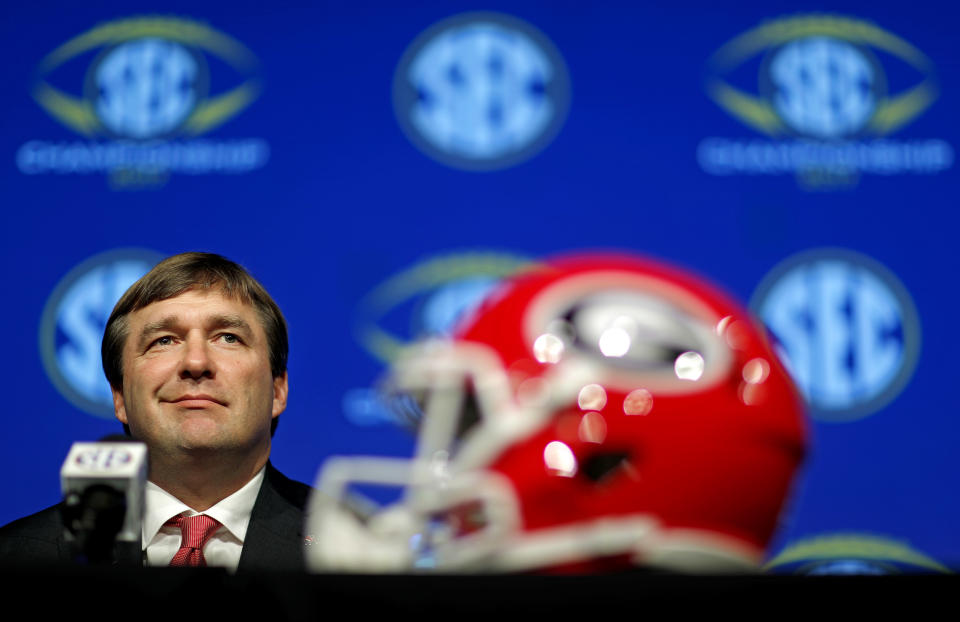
(274, 539)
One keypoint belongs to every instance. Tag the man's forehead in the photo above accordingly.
(195, 304)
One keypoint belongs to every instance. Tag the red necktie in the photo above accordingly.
(194, 533)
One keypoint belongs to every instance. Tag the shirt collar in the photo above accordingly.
(233, 512)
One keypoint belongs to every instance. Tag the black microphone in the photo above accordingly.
(103, 493)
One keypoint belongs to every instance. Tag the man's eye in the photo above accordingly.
(230, 338)
(164, 341)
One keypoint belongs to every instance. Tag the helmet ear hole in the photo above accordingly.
(601, 465)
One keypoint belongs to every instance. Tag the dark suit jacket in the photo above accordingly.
(274, 538)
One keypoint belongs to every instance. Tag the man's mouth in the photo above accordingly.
(199, 400)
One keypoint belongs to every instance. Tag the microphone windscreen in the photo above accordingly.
(119, 465)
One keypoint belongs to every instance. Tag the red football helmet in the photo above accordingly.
(595, 413)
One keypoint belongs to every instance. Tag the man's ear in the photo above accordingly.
(280, 388)
(119, 407)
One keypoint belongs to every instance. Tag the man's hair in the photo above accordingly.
(188, 271)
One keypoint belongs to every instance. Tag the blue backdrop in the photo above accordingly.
(376, 165)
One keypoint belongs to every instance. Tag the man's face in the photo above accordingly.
(196, 377)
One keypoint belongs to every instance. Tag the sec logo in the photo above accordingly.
(103, 459)
(825, 92)
(150, 79)
(73, 321)
(852, 554)
(481, 91)
(848, 328)
(145, 87)
(152, 88)
(822, 77)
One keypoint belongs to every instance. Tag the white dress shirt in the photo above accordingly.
(161, 542)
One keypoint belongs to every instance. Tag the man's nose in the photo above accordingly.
(196, 362)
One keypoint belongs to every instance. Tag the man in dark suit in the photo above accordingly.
(195, 353)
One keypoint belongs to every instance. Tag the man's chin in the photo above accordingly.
(201, 435)
(200, 447)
